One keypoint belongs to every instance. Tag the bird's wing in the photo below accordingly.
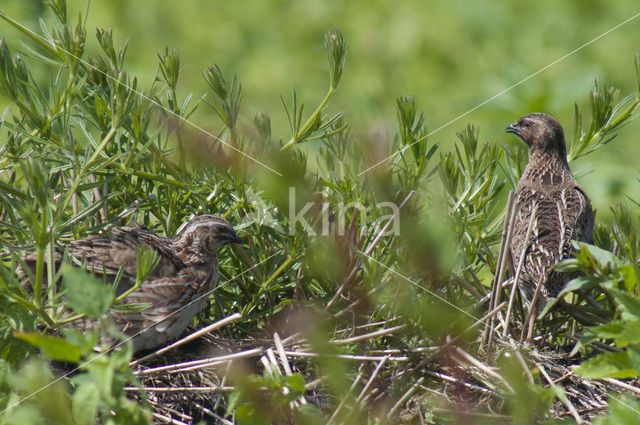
(106, 256)
(577, 226)
(541, 248)
(171, 299)
(585, 217)
(578, 219)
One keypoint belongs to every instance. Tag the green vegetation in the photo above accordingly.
(392, 321)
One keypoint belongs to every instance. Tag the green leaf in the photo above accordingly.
(295, 382)
(309, 414)
(246, 414)
(84, 341)
(54, 347)
(608, 365)
(628, 275)
(622, 410)
(579, 282)
(85, 402)
(85, 293)
(233, 401)
(624, 332)
(599, 255)
(550, 303)
(630, 303)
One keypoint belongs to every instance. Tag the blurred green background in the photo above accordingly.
(452, 55)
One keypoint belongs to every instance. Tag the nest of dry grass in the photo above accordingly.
(192, 382)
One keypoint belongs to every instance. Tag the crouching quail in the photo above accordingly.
(175, 290)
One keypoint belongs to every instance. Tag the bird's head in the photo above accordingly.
(541, 132)
(206, 232)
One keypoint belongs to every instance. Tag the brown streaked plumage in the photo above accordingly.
(562, 209)
(176, 289)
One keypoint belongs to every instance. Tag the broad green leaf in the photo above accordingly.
(630, 303)
(85, 293)
(84, 341)
(54, 347)
(601, 256)
(309, 414)
(295, 382)
(608, 365)
(85, 402)
(246, 414)
(579, 282)
(550, 303)
(622, 410)
(233, 401)
(629, 277)
(622, 331)
(634, 355)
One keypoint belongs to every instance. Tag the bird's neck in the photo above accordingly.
(546, 169)
(191, 254)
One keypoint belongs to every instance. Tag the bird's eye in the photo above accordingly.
(525, 124)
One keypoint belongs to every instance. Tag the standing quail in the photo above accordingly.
(562, 211)
(175, 290)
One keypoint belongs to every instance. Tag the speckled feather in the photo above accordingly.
(562, 209)
(177, 288)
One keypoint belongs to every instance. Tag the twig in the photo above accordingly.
(368, 325)
(496, 288)
(348, 356)
(520, 359)
(514, 285)
(213, 414)
(283, 360)
(483, 367)
(473, 291)
(222, 382)
(476, 323)
(311, 385)
(528, 323)
(168, 419)
(366, 336)
(621, 384)
(345, 396)
(180, 389)
(564, 399)
(270, 362)
(404, 397)
(371, 379)
(461, 382)
(191, 337)
(407, 350)
(202, 362)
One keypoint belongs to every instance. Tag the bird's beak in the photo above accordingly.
(234, 238)
(513, 129)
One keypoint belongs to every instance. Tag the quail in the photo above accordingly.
(551, 199)
(175, 290)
